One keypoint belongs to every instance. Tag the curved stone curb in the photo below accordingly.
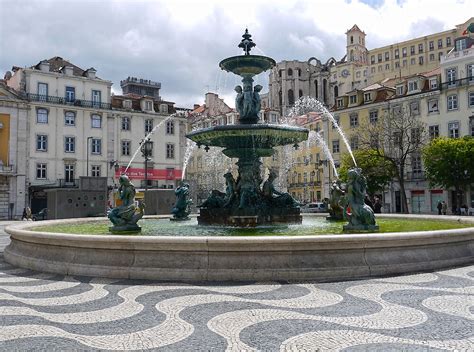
(327, 257)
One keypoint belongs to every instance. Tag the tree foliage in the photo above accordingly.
(449, 162)
(377, 170)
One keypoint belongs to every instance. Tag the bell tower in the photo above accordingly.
(356, 50)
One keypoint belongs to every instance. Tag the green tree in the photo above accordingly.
(378, 171)
(449, 163)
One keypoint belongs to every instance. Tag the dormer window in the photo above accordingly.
(367, 97)
(412, 86)
(400, 90)
(353, 99)
(461, 44)
(433, 83)
(148, 105)
(127, 104)
(339, 103)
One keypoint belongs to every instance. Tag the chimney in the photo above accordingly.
(90, 73)
(44, 66)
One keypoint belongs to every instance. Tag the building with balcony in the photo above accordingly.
(13, 143)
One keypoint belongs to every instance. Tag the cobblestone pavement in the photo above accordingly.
(428, 311)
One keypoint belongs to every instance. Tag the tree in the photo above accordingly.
(378, 171)
(397, 137)
(449, 163)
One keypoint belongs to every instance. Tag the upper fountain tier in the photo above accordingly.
(247, 65)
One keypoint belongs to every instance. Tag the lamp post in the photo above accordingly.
(146, 149)
(87, 157)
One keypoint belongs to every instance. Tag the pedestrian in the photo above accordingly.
(440, 207)
(23, 216)
(444, 207)
(377, 206)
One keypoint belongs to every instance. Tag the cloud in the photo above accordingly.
(180, 43)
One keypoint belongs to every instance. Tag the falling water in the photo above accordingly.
(190, 147)
(316, 136)
(307, 104)
(146, 137)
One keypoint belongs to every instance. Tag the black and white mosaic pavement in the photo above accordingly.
(423, 312)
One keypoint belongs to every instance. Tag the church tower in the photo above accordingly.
(356, 50)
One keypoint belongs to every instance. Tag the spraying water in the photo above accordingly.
(307, 104)
(146, 137)
(190, 147)
(319, 140)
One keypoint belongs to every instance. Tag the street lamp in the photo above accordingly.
(146, 149)
(87, 157)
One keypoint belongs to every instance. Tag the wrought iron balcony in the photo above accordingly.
(66, 101)
(416, 176)
(457, 83)
(68, 183)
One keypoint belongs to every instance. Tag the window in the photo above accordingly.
(95, 171)
(96, 121)
(290, 72)
(340, 103)
(433, 105)
(69, 173)
(397, 53)
(471, 99)
(404, 63)
(420, 48)
(125, 147)
(431, 45)
(412, 86)
(148, 105)
(367, 97)
(69, 144)
(372, 59)
(96, 98)
(452, 102)
(41, 143)
(291, 97)
(432, 57)
(397, 64)
(43, 91)
(373, 116)
(41, 171)
(440, 43)
(400, 90)
(353, 99)
(148, 126)
(416, 135)
(372, 70)
(357, 75)
(433, 83)
(41, 115)
(170, 127)
(96, 146)
(355, 143)
(461, 44)
(440, 55)
(354, 120)
(70, 118)
(127, 104)
(412, 61)
(453, 129)
(379, 58)
(125, 123)
(420, 60)
(387, 67)
(387, 56)
(416, 166)
(470, 72)
(433, 131)
(335, 146)
(300, 93)
(70, 94)
(451, 76)
(379, 68)
(169, 151)
(412, 50)
(448, 41)
(414, 108)
(404, 52)
(336, 119)
(471, 123)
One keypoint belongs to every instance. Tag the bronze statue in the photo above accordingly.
(125, 216)
(336, 200)
(181, 209)
(272, 196)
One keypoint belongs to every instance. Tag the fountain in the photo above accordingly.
(248, 142)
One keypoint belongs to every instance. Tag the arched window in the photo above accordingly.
(291, 97)
(279, 73)
(325, 84)
(336, 91)
(351, 57)
(300, 93)
(352, 39)
(290, 72)
(299, 72)
(280, 98)
(316, 89)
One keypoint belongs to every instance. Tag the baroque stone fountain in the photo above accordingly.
(245, 203)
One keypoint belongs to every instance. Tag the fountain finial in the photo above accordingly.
(246, 44)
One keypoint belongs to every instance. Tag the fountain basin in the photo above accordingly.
(247, 65)
(204, 258)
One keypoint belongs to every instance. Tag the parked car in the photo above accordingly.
(41, 215)
(317, 207)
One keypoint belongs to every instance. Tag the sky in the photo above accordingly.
(181, 42)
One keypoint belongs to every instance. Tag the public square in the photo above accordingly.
(426, 311)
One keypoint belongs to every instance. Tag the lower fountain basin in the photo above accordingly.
(205, 258)
(254, 136)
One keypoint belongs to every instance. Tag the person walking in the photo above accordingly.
(440, 207)
(444, 207)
